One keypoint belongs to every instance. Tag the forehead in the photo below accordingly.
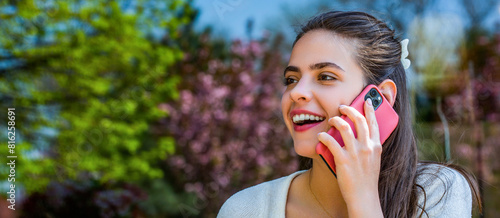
(324, 46)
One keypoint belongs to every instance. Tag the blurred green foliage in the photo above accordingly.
(85, 78)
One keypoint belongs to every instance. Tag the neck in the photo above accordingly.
(326, 189)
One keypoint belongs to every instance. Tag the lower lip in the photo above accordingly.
(305, 126)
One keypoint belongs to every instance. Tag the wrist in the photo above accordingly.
(365, 206)
(374, 211)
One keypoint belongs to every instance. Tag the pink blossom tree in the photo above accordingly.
(227, 121)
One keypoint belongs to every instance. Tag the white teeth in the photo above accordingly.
(300, 118)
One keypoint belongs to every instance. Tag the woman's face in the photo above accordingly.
(321, 75)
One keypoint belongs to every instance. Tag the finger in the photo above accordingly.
(371, 119)
(360, 124)
(345, 131)
(332, 145)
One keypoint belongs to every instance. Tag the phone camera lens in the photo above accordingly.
(375, 102)
(373, 93)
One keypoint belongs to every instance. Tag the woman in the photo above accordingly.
(335, 55)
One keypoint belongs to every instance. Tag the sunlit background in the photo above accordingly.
(151, 108)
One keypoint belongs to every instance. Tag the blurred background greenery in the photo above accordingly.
(150, 108)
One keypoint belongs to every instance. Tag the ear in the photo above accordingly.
(389, 90)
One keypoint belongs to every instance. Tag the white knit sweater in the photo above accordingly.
(268, 199)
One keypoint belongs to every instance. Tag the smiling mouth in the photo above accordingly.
(302, 119)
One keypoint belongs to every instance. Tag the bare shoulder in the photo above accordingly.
(295, 206)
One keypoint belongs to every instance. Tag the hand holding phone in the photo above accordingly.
(387, 120)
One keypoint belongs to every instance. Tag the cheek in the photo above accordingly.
(330, 99)
(331, 102)
(285, 104)
(285, 109)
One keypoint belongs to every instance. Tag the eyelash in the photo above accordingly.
(324, 75)
(287, 80)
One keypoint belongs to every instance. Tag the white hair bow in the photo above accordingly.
(404, 53)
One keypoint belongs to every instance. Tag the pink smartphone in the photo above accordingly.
(387, 120)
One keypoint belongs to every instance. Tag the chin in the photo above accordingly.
(305, 149)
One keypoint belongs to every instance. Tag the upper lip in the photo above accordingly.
(302, 111)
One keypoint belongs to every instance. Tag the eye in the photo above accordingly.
(326, 77)
(289, 80)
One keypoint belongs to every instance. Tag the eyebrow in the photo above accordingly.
(315, 66)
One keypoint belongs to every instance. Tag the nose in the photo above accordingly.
(302, 91)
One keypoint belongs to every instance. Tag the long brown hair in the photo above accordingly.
(379, 55)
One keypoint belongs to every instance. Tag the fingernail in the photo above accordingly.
(342, 106)
(369, 101)
(333, 118)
